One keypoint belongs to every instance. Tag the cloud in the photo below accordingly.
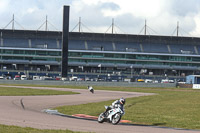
(184, 8)
(3, 5)
(92, 15)
(196, 30)
(110, 6)
(97, 15)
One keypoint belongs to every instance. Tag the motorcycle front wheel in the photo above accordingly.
(92, 91)
(116, 119)
(101, 118)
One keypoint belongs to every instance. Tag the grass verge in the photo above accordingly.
(12, 91)
(172, 107)
(15, 129)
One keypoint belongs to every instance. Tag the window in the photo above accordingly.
(29, 52)
(41, 53)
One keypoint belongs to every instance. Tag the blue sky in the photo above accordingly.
(96, 15)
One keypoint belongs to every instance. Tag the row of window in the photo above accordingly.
(133, 62)
(134, 56)
(29, 58)
(30, 52)
(98, 57)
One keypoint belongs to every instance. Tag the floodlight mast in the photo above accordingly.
(13, 22)
(145, 27)
(177, 29)
(113, 25)
(46, 28)
(79, 26)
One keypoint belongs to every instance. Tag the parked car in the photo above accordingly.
(1, 77)
(23, 77)
(140, 80)
(87, 79)
(36, 78)
(73, 78)
(164, 81)
(17, 77)
(148, 81)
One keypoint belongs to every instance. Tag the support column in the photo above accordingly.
(65, 40)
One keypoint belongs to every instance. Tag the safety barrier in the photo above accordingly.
(86, 83)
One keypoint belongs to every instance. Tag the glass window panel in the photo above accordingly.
(41, 53)
(30, 52)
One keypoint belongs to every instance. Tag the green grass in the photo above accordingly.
(12, 91)
(171, 107)
(15, 129)
(100, 87)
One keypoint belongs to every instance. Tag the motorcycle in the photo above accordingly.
(113, 116)
(91, 89)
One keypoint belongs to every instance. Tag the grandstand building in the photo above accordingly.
(92, 54)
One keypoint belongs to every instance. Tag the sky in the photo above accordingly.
(129, 16)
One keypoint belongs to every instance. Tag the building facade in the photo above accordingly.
(92, 54)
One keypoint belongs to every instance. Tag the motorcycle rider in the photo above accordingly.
(90, 88)
(118, 103)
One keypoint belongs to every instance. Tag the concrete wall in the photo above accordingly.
(83, 83)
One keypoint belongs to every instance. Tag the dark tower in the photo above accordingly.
(65, 38)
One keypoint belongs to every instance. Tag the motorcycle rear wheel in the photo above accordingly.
(116, 119)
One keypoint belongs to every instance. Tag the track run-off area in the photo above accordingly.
(27, 111)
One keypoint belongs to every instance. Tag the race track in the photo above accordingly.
(13, 113)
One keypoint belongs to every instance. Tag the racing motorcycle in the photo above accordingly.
(113, 116)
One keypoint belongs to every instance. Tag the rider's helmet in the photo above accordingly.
(122, 101)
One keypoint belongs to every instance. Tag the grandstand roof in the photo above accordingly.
(99, 36)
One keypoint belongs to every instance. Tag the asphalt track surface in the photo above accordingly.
(26, 111)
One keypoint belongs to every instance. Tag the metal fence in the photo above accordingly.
(86, 83)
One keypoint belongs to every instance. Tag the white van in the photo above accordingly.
(73, 78)
(148, 81)
(23, 77)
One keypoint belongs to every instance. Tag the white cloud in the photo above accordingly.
(129, 15)
(196, 31)
(3, 5)
(30, 10)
